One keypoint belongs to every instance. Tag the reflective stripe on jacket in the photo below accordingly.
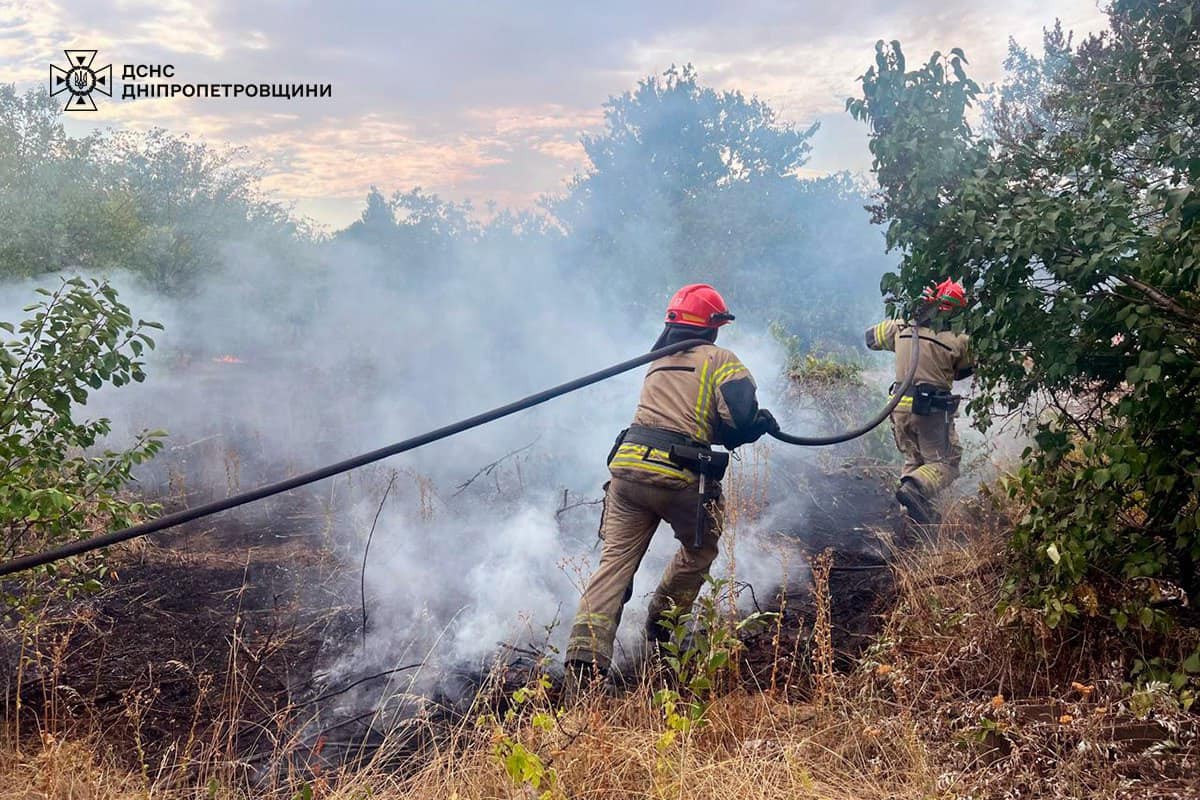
(699, 393)
(944, 354)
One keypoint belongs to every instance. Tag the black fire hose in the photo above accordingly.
(187, 515)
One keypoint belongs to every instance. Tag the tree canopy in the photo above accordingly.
(1074, 226)
(686, 183)
(158, 205)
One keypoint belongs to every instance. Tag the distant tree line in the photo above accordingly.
(683, 183)
(158, 205)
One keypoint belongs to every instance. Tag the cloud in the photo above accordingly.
(806, 64)
(342, 159)
(33, 34)
(564, 152)
(553, 118)
(488, 100)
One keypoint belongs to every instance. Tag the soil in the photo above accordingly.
(850, 514)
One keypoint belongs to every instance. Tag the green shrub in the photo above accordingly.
(54, 485)
(1074, 228)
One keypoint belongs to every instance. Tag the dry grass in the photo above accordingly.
(952, 701)
(754, 746)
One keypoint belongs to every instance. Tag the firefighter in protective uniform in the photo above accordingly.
(923, 422)
(690, 401)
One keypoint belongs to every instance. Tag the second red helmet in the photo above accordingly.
(698, 304)
(949, 295)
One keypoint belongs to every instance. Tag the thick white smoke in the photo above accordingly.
(358, 353)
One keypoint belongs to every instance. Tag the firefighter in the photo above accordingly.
(663, 468)
(923, 422)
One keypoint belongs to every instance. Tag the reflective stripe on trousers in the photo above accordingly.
(632, 513)
(930, 447)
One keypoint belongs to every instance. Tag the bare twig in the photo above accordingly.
(367, 549)
(567, 507)
(522, 650)
(490, 468)
(740, 586)
(198, 441)
(360, 681)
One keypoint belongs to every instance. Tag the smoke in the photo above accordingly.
(268, 371)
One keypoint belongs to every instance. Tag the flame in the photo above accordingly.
(228, 359)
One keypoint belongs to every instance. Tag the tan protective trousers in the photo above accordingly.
(632, 513)
(930, 447)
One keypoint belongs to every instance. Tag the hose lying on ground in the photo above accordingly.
(187, 515)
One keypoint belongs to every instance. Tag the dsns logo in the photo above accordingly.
(81, 80)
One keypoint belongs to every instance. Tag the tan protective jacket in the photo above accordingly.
(697, 393)
(945, 355)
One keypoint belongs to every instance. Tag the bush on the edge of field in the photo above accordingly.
(54, 485)
(1072, 222)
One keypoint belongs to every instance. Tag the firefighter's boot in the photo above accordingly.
(915, 503)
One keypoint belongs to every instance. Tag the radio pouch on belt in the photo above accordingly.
(709, 465)
(922, 403)
(701, 460)
(928, 398)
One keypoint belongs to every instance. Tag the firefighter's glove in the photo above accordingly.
(762, 423)
(766, 421)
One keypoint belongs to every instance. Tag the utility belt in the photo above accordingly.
(681, 450)
(924, 399)
(681, 453)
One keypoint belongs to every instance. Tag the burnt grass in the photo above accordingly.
(849, 513)
(211, 636)
(225, 615)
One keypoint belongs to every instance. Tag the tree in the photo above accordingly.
(687, 183)
(189, 201)
(416, 231)
(155, 204)
(1017, 105)
(1078, 237)
(50, 213)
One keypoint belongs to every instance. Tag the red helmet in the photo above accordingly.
(949, 295)
(698, 304)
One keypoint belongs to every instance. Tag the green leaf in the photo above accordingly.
(1146, 618)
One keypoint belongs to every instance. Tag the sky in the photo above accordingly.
(486, 100)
